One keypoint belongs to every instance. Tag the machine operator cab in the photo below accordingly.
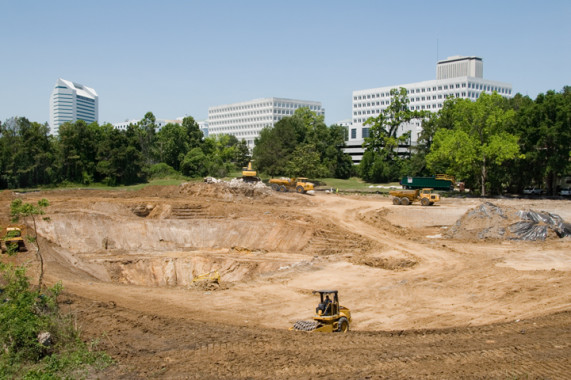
(328, 302)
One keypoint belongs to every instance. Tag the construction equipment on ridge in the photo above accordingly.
(329, 315)
(249, 174)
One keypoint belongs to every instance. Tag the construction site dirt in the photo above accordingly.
(435, 292)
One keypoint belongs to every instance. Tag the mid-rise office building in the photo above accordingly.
(457, 77)
(72, 101)
(245, 120)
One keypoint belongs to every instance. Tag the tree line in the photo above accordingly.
(86, 153)
(494, 145)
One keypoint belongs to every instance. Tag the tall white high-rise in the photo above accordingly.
(72, 101)
(245, 120)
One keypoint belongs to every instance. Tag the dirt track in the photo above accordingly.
(423, 305)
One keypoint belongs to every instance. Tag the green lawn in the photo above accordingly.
(356, 184)
(100, 186)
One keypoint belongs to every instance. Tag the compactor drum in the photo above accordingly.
(329, 315)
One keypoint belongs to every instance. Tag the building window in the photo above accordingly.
(353, 133)
(365, 132)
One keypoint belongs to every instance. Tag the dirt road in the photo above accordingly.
(423, 305)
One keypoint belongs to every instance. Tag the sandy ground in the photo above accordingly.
(423, 305)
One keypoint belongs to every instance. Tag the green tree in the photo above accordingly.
(194, 136)
(78, 146)
(545, 129)
(27, 156)
(383, 162)
(479, 142)
(194, 163)
(145, 131)
(119, 157)
(242, 156)
(338, 163)
(19, 209)
(277, 150)
(171, 145)
(275, 145)
(306, 162)
(173, 141)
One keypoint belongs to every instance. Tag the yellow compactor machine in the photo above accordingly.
(13, 238)
(329, 315)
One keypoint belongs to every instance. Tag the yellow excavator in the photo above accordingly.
(249, 174)
(329, 315)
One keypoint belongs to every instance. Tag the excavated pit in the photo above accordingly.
(170, 244)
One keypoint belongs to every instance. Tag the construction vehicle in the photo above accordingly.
(249, 174)
(329, 315)
(209, 277)
(13, 239)
(406, 197)
(437, 182)
(300, 185)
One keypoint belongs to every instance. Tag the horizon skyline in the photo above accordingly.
(200, 55)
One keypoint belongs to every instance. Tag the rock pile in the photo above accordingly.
(489, 221)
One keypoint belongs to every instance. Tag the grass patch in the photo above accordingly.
(356, 184)
(101, 186)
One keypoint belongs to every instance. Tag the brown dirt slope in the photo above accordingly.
(424, 305)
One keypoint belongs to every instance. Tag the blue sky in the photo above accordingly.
(177, 58)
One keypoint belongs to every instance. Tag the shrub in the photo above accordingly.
(24, 314)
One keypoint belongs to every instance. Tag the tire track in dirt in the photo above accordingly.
(349, 214)
(153, 346)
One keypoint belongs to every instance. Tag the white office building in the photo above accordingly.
(458, 77)
(245, 120)
(72, 101)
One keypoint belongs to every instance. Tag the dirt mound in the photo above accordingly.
(388, 263)
(490, 221)
(232, 190)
